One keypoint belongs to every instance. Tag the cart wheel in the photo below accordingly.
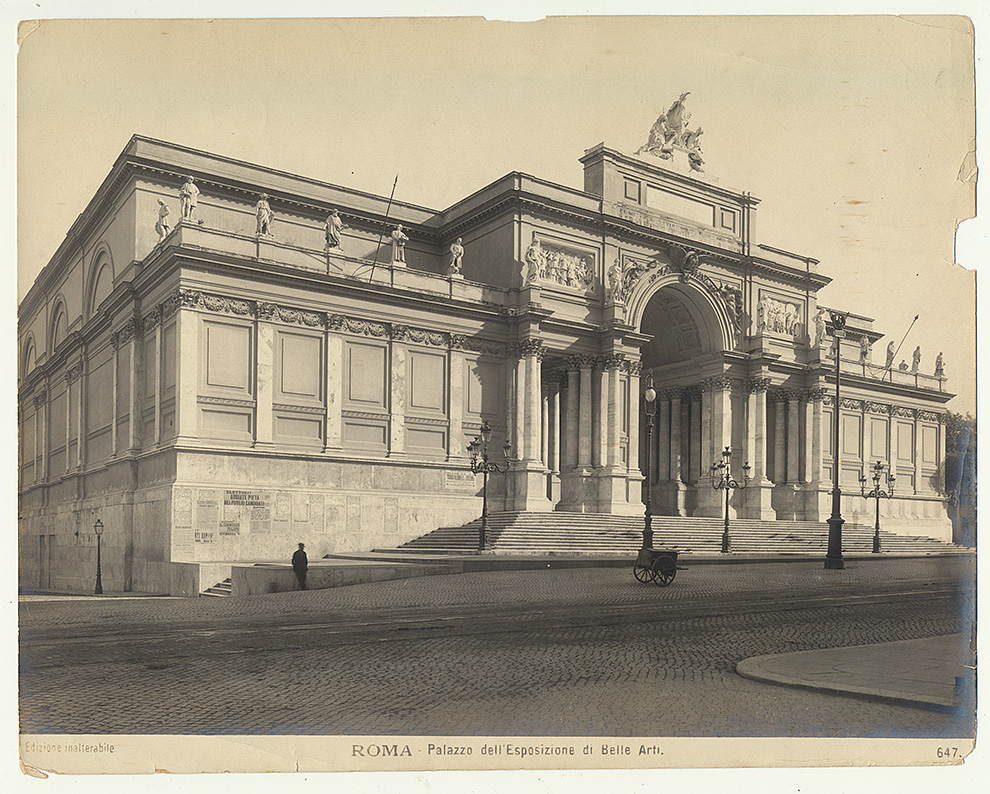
(664, 570)
(642, 573)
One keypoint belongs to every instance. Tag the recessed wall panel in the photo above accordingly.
(852, 435)
(905, 442)
(878, 439)
(366, 374)
(929, 445)
(428, 380)
(300, 365)
(228, 356)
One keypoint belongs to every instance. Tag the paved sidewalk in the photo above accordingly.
(919, 672)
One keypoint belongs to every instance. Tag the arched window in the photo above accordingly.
(103, 286)
(58, 328)
(29, 357)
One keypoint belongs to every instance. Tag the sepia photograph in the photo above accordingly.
(455, 393)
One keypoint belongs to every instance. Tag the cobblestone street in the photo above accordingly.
(558, 652)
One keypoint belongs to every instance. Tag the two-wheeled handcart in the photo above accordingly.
(656, 565)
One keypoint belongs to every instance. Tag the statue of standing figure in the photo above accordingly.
(189, 198)
(819, 328)
(890, 356)
(916, 360)
(265, 216)
(939, 367)
(332, 228)
(161, 226)
(864, 349)
(615, 280)
(456, 258)
(535, 261)
(399, 240)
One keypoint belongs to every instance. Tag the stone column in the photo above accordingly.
(633, 369)
(758, 428)
(135, 375)
(793, 437)
(553, 430)
(334, 384)
(694, 437)
(807, 461)
(553, 438)
(519, 413)
(779, 440)
(398, 373)
(917, 450)
(158, 379)
(534, 390)
(599, 403)
(664, 439)
(41, 411)
(613, 413)
(674, 469)
(114, 343)
(528, 477)
(81, 414)
(187, 373)
(455, 397)
(584, 431)
(265, 376)
(813, 504)
(70, 376)
(758, 493)
(573, 416)
(717, 426)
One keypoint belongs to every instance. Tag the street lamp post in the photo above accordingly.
(833, 556)
(650, 396)
(878, 493)
(722, 480)
(481, 464)
(98, 529)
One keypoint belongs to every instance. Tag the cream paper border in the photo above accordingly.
(172, 755)
(178, 754)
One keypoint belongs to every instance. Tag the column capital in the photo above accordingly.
(612, 361)
(72, 373)
(691, 393)
(40, 399)
(581, 362)
(792, 395)
(754, 385)
(457, 341)
(671, 393)
(634, 367)
(816, 394)
(531, 347)
(719, 383)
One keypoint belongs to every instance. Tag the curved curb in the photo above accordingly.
(756, 669)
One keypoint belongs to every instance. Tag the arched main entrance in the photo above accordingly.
(690, 333)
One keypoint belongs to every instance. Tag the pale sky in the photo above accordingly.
(852, 130)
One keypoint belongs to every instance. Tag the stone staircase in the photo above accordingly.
(590, 533)
(219, 590)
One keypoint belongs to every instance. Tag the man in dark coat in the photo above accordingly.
(300, 564)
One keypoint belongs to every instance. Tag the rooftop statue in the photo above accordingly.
(670, 130)
(189, 198)
(162, 226)
(265, 216)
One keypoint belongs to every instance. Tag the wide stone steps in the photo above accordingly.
(585, 533)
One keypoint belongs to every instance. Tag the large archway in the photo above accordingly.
(690, 332)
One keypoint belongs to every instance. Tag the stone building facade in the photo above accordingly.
(219, 372)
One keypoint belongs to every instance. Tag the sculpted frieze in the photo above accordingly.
(778, 317)
(552, 263)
